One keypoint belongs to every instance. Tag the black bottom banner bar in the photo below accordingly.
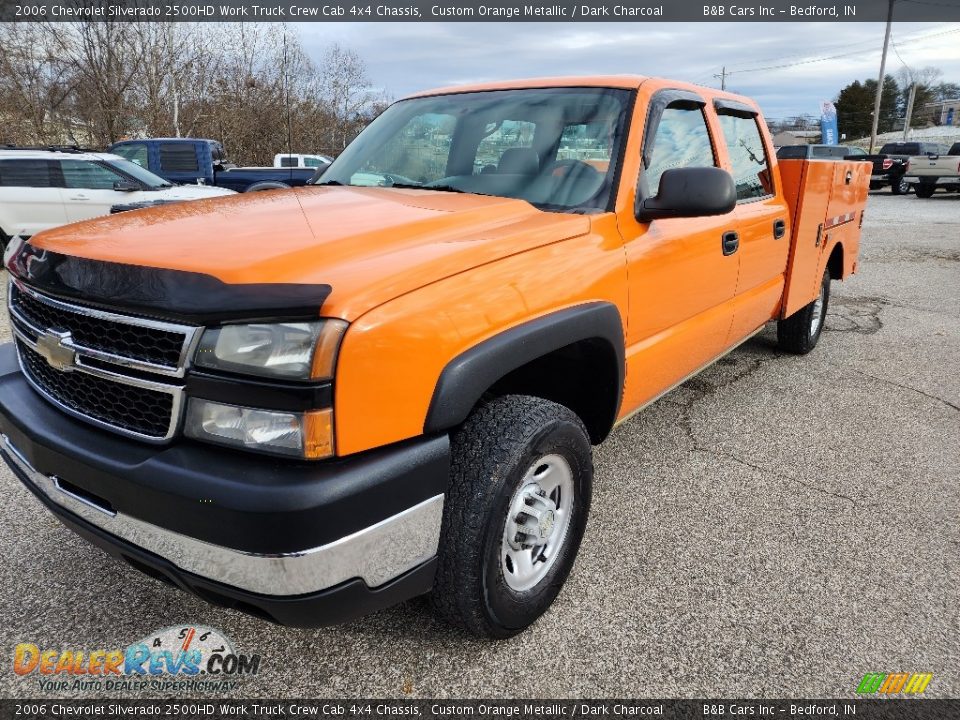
(912, 709)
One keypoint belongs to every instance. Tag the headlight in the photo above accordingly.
(307, 435)
(286, 351)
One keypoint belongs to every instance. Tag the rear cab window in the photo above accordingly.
(178, 157)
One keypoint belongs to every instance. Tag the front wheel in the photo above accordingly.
(800, 332)
(520, 489)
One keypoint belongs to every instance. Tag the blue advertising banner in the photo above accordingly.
(829, 133)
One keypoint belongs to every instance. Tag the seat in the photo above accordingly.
(519, 161)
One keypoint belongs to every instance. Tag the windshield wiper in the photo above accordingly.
(439, 188)
(328, 182)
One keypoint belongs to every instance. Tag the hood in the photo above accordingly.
(191, 192)
(369, 245)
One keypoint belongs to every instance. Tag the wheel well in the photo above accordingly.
(582, 376)
(267, 185)
(835, 263)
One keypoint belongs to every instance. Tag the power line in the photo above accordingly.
(833, 57)
(908, 37)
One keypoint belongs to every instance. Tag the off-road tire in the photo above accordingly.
(491, 454)
(800, 332)
(924, 190)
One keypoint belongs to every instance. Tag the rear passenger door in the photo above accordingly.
(29, 197)
(761, 217)
(681, 276)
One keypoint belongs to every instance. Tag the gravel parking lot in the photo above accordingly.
(775, 527)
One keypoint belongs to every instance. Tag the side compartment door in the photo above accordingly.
(762, 219)
(682, 272)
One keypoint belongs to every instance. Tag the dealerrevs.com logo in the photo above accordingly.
(894, 683)
(188, 658)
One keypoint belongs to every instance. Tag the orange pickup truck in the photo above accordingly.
(312, 403)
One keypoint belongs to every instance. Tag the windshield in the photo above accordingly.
(557, 148)
(142, 175)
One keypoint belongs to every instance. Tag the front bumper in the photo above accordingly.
(268, 536)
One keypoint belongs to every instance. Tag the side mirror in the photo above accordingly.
(126, 186)
(690, 192)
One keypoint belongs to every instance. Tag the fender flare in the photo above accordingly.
(469, 375)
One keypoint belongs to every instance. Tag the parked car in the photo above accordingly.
(299, 160)
(41, 189)
(889, 166)
(820, 152)
(332, 399)
(192, 160)
(926, 173)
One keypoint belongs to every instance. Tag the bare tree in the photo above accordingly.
(250, 85)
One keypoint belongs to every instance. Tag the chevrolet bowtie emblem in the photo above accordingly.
(56, 350)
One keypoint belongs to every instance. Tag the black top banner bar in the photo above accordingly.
(705, 709)
(758, 11)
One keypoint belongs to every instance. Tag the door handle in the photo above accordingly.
(79, 197)
(731, 241)
(779, 229)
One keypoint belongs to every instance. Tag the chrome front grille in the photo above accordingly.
(120, 372)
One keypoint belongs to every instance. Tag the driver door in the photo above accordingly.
(88, 189)
(682, 272)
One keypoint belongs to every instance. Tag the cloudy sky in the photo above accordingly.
(782, 65)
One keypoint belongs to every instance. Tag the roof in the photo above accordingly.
(7, 154)
(628, 82)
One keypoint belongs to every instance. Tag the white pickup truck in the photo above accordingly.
(926, 173)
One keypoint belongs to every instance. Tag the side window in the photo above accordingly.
(25, 173)
(418, 152)
(80, 174)
(748, 159)
(682, 140)
(511, 134)
(178, 157)
(312, 162)
(135, 153)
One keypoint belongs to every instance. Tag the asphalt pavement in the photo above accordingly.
(776, 527)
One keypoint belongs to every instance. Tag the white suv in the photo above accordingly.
(40, 189)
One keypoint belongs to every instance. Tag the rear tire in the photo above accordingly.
(800, 332)
(519, 463)
(925, 191)
(900, 186)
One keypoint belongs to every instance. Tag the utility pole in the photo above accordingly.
(906, 120)
(723, 78)
(883, 68)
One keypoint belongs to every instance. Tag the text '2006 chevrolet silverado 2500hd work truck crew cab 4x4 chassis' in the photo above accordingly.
(313, 403)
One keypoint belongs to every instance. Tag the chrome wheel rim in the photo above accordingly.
(538, 519)
(817, 313)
